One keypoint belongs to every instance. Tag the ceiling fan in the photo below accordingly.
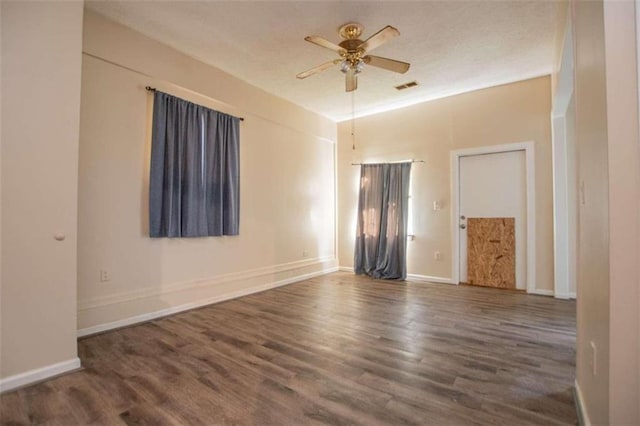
(354, 53)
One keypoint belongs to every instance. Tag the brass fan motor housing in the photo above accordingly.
(350, 33)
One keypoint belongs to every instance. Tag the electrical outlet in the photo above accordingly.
(594, 358)
(105, 275)
(437, 255)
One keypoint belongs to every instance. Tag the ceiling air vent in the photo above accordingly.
(407, 85)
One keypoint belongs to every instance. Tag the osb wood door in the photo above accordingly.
(491, 248)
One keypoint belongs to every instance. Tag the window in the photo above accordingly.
(194, 184)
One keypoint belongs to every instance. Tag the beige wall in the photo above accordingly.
(609, 222)
(1, 351)
(287, 223)
(624, 212)
(593, 229)
(517, 112)
(41, 55)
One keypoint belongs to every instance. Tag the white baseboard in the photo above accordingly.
(412, 277)
(429, 278)
(197, 304)
(38, 374)
(583, 417)
(291, 268)
(541, 292)
(570, 295)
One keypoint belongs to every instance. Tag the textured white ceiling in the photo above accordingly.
(453, 46)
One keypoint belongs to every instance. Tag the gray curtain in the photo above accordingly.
(381, 234)
(194, 183)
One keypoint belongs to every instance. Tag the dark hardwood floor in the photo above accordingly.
(336, 350)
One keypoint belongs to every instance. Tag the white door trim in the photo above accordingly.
(528, 148)
(564, 256)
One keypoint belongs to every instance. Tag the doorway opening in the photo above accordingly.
(494, 203)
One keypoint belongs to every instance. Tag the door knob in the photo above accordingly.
(463, 226)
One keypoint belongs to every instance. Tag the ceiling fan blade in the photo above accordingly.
(387, 64)
(379, 38)
(351, 80)
(322, 42)
(318, 69)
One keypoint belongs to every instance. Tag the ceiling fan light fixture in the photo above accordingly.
(346, 65)
(354, 53)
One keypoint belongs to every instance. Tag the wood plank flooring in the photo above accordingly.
(337, 350)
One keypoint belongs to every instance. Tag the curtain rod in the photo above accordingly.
(153, 89)
(390, 162)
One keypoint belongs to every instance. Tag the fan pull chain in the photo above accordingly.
(353, 122)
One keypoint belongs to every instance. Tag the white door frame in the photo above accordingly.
(528, 148)
(563, 254)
